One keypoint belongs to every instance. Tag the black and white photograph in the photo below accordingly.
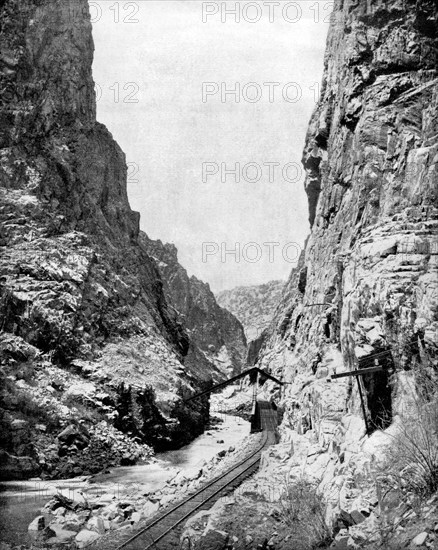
(218, 274)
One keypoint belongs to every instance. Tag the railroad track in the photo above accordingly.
(162, 526)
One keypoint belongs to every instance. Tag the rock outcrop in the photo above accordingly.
(88, 334)
(366, 287)
(213, 330)
(367, 281)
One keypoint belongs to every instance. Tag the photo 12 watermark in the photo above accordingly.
(254, 12)
(120, 92)
(251, 172)
(255, 92)
(119, 12)
(251, 252)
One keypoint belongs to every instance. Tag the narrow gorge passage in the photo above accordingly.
(193, 193)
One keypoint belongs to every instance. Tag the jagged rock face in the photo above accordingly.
(254, 306)
(368, 281)
(65, 210)
(77, 287)
(217, 334)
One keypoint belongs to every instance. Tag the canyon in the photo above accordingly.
(104, 333)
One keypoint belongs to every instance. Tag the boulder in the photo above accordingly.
(85, 537)
(61, 501)
(61, 534)
(166, 500)
(357, 516)
(96, 524)
(38, 524)
(111, 512)
(214, 540)
(193, 473)
(73, 524)
(48, 533)
(150, 508)
(420, 539)
(74, 435)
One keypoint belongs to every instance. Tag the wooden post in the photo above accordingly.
(364, 411)
(254, 393)
(357, 373)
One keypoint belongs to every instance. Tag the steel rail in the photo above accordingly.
(269, 427)
(201, 504)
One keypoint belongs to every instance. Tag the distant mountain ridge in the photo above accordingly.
(254, 305)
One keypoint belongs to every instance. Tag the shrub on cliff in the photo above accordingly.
(303, 512)
(413, 455)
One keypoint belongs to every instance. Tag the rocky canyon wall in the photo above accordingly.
(216, 332)
(88, 334)
(367, 281)
(364, 294)
(365, 291)
(253, 305)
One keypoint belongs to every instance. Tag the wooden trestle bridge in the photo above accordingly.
(256, 376)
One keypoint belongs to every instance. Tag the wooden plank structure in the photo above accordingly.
(260, 374)
(256, 375)
(359, 372)
(363, 371)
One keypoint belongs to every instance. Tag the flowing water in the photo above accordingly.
(21, 501)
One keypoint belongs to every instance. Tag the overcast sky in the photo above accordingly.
(162, 70)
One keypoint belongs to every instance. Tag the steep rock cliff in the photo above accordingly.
(87, 335)
(365, 291)
(213, 330)
(364, 294)
(368, 278)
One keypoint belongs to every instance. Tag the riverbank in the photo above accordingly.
(122, 497)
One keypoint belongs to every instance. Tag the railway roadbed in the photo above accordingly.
(162, 531)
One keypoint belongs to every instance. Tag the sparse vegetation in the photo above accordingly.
(410, 474)
(82, 411)
(413, 456)
(21, 402)
(303, 512)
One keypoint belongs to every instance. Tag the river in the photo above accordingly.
(21, 501)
